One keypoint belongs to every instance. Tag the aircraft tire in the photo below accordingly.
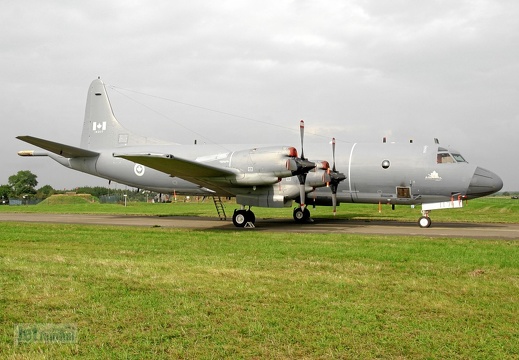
(424, 222)
(239, 218)
(301, 216)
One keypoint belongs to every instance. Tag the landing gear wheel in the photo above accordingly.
(424, 222)
(240, 218)
(300, 215)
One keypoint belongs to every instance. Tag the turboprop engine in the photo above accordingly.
(320, 175)
(263, 165)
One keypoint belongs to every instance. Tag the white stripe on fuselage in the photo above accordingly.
(349, 169)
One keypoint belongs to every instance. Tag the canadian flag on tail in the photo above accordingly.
(99, 126)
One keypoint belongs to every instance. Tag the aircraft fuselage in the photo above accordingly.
(385, 172)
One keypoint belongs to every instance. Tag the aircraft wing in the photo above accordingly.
(57, 148)
(175, 166)
(192, 171)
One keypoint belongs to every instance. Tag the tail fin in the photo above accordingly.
(101, 130)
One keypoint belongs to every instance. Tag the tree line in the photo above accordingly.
(22, 185)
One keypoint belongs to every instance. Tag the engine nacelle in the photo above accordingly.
(254, 179)
(321, 164)
(317, 178)
(269, 162)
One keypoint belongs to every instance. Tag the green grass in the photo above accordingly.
(64, 199)
(489, 209)
(164, 293)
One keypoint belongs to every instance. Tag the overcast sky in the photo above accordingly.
(357, 70)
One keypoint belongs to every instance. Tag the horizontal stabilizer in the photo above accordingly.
(57, 148)
(174, 166)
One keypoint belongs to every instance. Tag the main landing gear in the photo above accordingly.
(301, 215)
(242, 217)
(246, 218)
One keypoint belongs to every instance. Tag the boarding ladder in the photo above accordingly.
(219, 207)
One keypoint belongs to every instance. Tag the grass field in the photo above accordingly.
(139, 293)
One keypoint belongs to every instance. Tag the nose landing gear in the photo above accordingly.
(425, 220)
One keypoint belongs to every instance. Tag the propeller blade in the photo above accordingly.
(303, 167)
(302, 133)
(335, 178)
(335, 185)
(302, 195)
(333, 154)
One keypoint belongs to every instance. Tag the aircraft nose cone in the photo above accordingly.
(483, 183)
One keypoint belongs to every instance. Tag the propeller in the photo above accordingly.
(335, 178)
(333, 155)
(303, 166)
(302, 135)
(300, 166)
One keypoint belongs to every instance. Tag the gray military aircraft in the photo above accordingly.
(429, 175)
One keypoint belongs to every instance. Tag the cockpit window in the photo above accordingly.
(458, 158)
(445, 157)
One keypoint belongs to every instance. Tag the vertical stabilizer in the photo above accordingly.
(101, 130)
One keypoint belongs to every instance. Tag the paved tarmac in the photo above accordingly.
(437, 229)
